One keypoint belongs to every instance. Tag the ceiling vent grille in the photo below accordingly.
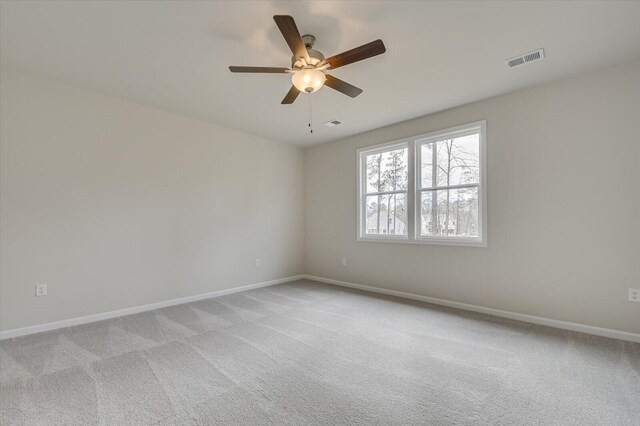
(332, 123)
(525, 59)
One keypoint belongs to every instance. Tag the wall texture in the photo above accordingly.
(114, 204)
(563, 206)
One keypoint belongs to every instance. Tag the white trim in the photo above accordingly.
(388, 238)
(564, 325)
(451, 132)
(23, 331)
(440, 188)
(371, 194)
(383, 147)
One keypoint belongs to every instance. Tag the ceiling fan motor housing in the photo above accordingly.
(315, 57)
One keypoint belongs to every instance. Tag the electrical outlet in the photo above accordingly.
(344, 261)
(634, 295)
(258, 262)
(41, 290)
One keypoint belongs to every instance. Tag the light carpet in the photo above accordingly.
(305, 353)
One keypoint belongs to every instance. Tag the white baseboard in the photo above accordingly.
(23, 331)
(565, 325)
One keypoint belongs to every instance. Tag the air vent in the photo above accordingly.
(525, 59)
(332, 123)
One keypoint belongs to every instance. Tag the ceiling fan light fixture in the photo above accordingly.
(308, 80)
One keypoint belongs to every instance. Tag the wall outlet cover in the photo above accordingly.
(41, 290)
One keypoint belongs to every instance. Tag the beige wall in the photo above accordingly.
(114, 204)
(563, 206)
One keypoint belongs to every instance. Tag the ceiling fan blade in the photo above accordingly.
(259, 69)
(342, 86)
(358, 54)
(292, 94)
(290, 32)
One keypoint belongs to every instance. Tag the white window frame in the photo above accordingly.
(414, 190)
(362, 189)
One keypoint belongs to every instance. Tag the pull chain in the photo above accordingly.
(310, 115)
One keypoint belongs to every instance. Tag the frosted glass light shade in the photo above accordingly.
(308, 80)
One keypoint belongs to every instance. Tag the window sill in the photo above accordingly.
(426, 241)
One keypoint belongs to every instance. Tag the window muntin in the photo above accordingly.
(427, 189)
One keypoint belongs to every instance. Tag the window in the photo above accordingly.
(385, 191)
(427, 189)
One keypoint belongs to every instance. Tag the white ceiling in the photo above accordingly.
(174, 55)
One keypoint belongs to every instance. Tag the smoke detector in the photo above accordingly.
(332, 123)
(536, 55)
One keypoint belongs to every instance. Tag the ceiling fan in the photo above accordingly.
(308, 64)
